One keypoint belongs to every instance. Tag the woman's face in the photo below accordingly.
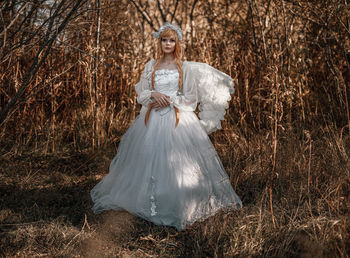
(168, 44)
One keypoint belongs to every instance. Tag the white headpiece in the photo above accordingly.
(170, 26)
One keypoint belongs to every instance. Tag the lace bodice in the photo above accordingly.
(166, 81)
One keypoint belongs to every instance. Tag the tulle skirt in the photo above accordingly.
(166, 175)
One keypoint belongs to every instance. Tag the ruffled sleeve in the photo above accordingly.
(143, 87)
(214, 89)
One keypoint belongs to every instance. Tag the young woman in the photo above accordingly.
(166, 169)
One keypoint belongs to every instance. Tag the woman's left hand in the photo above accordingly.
(156, 106)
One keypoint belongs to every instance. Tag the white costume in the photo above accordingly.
(172, 176)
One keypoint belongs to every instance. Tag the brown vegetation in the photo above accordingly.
(66, 98)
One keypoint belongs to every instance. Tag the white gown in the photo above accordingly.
(169, 176)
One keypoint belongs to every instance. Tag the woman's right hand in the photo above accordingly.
(161, 100)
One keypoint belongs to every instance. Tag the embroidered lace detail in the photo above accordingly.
(167, 71)
(152, 198)
(166, 81)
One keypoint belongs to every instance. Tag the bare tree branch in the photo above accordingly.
(37, 62)
(175, 8)
(144, 14)
(161, 12)
(191, 19)
(14, 19)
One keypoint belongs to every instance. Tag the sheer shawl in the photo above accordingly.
(214, 89)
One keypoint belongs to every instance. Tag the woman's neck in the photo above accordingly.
(168, 58)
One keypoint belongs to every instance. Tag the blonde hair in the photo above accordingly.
(177, 54)
(178, 57)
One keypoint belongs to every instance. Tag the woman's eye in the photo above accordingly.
(171, 40)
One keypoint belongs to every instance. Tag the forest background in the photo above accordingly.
(67, 74)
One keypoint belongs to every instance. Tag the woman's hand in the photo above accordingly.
(160, 100)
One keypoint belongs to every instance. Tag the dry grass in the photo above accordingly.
(46, 204)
